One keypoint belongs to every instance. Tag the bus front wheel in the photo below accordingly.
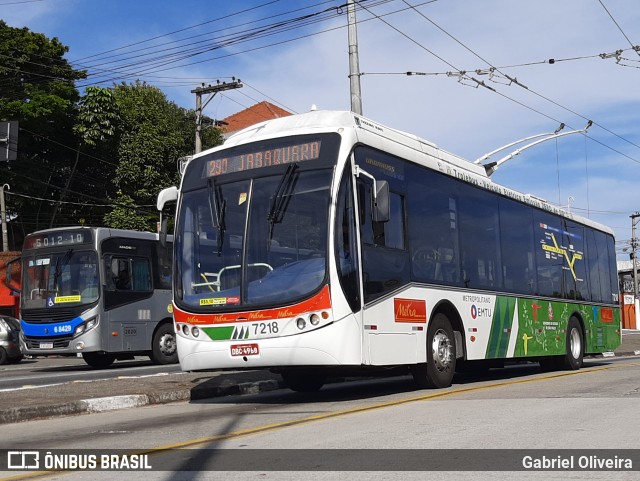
(164, 350)
(99, 360)
(438, 371)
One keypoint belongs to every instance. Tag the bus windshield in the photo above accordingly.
(60, 279)
(253, 242)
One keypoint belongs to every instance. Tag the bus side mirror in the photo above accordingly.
(170, 194)
(166, 195)
(380, 208)
(162, 235)
(14, 269)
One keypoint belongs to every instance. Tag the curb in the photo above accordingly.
(112, 403)
(625, 353)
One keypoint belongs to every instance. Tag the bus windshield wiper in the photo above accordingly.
(217, 207)
(281, 198)
(61, 262)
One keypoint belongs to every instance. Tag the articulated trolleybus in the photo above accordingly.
(103, 293)
(324, 243)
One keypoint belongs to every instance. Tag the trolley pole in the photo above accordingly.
(3, 215)
(354, 67)
(210, 89)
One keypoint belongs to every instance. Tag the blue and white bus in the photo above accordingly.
(99, 292)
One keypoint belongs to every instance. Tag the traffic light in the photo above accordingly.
(8, 141)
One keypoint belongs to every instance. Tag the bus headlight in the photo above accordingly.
(195, 332)
(301, 323)
(86, 326)
(314, 319)
(91, 323)
(185, 329)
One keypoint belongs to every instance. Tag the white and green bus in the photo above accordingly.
(325, 243)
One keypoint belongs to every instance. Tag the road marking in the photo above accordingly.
(80, 381)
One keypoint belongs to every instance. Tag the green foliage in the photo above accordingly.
(97, 116)
(116, 145)
(128, 216)
(151, 136)
(36, 80)
(38, 90)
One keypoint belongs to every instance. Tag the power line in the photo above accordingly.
(84, 204)
(635, 48)
(478, 83)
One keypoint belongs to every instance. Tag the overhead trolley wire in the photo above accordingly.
(479, 83)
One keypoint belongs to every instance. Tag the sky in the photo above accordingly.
(490, 72)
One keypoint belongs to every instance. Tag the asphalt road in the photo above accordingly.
(42, 371)
(405, 431)
(43, 393)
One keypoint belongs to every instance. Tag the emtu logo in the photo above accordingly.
(23, 460)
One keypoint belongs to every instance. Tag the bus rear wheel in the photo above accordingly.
(574, 351)
(438, 371)
(573, 358)
(99, 360)
(164, 350)
(300, 380)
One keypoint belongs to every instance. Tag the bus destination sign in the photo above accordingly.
(263, 158)
(56, 239)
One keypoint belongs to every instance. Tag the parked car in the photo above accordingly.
(9, 340)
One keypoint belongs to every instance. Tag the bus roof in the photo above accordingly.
(105, 231)
(377, 135)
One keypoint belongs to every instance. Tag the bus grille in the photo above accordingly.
(45, 316)
(34, 342)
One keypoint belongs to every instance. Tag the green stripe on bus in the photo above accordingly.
(501, 327)
(219, 333)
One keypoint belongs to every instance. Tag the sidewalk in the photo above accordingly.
(126, 392)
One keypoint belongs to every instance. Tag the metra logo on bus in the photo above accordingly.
(410, 310)
(606, 315)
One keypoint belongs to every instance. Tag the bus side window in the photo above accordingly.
(385, 263)
(141, 279)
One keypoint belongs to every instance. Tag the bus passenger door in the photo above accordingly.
(347, 298)
(128, 281)
(387, 338)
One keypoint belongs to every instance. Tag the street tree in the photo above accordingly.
(37, 88)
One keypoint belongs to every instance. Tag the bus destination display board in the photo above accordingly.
(56, 239)
(263, 158)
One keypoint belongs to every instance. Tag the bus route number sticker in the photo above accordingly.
(245, 350)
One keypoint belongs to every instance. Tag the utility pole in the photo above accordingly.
(3, 214)
(634, 264)
(210, 89)
(8, 141)
(354, 67)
